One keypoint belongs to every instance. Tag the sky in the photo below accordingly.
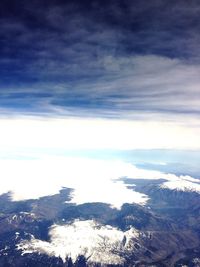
(133, 61)
(110, 59)
(109, 75)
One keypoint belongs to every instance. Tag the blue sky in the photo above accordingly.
(100, 58)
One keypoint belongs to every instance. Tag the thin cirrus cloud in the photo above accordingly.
(141, 85)
(109, 58)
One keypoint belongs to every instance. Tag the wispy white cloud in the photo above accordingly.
(129, 87)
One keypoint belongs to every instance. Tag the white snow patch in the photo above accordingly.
(99, 243)
(182, 184)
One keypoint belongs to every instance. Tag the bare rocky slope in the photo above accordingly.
(168, 228)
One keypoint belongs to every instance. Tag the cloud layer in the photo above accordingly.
(36, 134)
(93, 180)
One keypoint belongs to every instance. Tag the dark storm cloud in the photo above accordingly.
(104, 56)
